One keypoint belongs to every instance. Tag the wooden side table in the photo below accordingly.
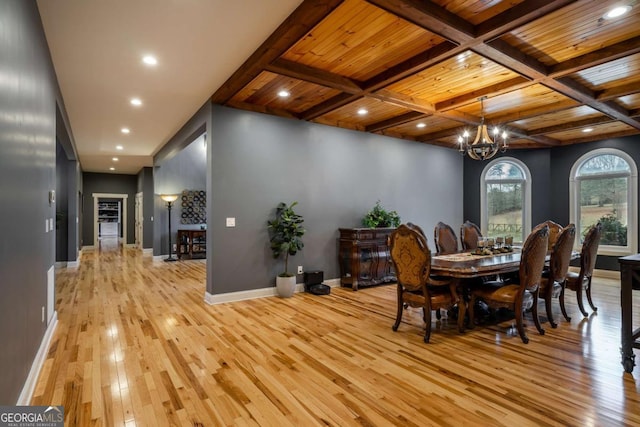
(629, 281)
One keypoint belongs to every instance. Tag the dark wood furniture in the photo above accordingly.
(445, 239)
(629, 281)
(581, 281)
(469, 235)
(554, 279)
(363, 256)
(412, 262)
(192, 244)
(465, 266)
(523, 295)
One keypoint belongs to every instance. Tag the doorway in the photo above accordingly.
(138, 220)
(110, 214)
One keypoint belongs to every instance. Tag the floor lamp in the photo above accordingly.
(169, 198)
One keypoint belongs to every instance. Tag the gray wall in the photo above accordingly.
(108, 183)
(336, 175)
(550, 170)
(195, 127)
(27, 173)
(186, 170)
(145, 185)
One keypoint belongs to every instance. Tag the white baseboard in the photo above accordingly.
(130, 245)
(159, 257)
(30, 385)
(88, 248)
(73, 264)
(213, 299)
(147, 251)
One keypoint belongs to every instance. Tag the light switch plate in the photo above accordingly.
(231, 222)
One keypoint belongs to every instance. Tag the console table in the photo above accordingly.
(364, 257)
(629, 281)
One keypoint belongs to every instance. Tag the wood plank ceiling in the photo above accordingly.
(554, 72)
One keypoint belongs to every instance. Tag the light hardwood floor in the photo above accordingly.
(136, 345)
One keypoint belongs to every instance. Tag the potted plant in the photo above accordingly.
(286, 233)
(378, 217)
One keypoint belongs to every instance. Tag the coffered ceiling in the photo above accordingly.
(553, 72)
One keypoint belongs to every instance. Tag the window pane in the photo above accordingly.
(605, 200)
(504, 204)
(606, 163)
(504, 170)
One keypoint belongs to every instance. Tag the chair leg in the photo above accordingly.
(427, 319)
(547, 306)
(593, 307)
(400, 308)
(438, 314)
(520, 323)
(580, 302)
(562, 307)
(536, 319)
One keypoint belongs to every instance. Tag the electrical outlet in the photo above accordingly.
(175, 247)
(43, 314)
(300, 270)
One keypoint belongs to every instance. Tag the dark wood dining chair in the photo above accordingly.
(553, 280)
(554, 232)
(581, 281)
(445, 239)
(522, 296)
(411, 258)
(469, 235)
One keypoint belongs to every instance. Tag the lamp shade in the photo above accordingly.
(169, 197)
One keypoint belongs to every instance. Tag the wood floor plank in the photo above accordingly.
(137, 345)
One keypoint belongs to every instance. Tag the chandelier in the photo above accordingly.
(483, 147)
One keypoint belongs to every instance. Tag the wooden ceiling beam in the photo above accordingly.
(429, 15)
(535, 112)
(314, 75)
(600, 137)
(597, 57)
(593, 121)
(411, 66)
(494, 90)
(618, 92)
(262, 109)
(300, 22)
(395, 121)
(329, 105)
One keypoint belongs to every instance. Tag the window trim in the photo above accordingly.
(632, 200)
(526, 203)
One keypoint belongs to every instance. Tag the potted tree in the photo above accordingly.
(286, 233)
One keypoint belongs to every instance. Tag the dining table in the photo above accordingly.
(468, 265)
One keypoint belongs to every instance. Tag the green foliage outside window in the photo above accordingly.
(613, 231)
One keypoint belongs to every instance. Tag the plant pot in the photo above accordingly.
(286, 286)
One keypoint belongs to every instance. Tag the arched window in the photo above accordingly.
(603, 187)
(505, 203)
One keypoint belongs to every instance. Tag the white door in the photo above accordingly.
(138, 220)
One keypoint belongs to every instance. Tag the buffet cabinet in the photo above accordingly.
(364, 257)
(192, 244)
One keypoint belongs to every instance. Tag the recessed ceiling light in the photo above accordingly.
(617, 11)
(150, 60)
(115, 159)
(125, 130)
(362, 111)
(136, 101)
(112, 168)
(587, 130)
(421, 125)
(283, 94)
(119, 147)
